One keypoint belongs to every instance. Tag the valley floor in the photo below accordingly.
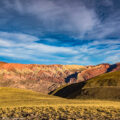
(29, 105)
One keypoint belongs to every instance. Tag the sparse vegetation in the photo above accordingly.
(29, 105)
(61, 113)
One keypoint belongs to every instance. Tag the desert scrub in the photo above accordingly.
(61, 113)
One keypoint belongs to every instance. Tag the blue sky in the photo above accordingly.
(60, 31)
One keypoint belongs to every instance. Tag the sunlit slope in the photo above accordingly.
(108, 79)
(106, 86)
(15, 93)
(20, 97)
(35, 77)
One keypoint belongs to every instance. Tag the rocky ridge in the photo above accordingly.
(45, 78)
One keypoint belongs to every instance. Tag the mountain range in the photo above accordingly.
(47, 78)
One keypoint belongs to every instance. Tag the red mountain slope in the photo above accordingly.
(45, 78)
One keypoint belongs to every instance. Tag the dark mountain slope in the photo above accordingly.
(106, 86)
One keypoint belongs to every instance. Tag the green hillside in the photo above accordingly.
(106, 86)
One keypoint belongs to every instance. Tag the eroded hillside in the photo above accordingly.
(35, 77)
(45, 78)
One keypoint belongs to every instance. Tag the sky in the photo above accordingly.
(83, 32)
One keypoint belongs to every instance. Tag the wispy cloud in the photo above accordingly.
(13, 45)
(114, 58)
(73, 17)
(81, 54)
(54, 15)
(18, 37)
(60, 31)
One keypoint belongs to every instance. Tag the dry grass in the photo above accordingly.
(29, 105)
(61, 113)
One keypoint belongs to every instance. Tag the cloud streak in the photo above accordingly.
(73, 17)
(54, 15)
(65, 31)
(26, 49)
(81, 54)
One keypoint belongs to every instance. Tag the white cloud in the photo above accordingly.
(83, 19)
(5, 43)
(111, 43)
(114, 58)
(18, 37)
(34, 51)
(13, 45)
(68, 16)
(58, 17)
(54, 15)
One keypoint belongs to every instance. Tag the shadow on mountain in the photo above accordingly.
(112, 67)
(67, 79)
(67, 90)
(106, 86)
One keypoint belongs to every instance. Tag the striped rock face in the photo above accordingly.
(45, 78)
(35, 77)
